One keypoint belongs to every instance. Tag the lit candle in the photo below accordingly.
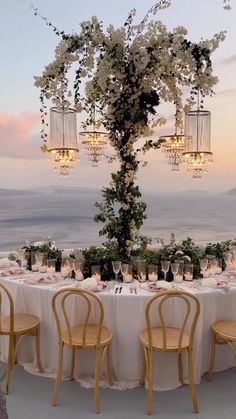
(188, 277)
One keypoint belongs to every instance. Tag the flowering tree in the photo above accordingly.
(127, 73)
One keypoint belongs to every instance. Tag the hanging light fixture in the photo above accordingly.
(173, 146)
(197, 151)
(94, 142)
(63, 149)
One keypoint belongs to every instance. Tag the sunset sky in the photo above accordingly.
(27, 45)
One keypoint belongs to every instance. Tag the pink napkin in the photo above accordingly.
(45, 278)
(12, 271)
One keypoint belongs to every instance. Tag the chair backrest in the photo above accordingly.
(89, 300)
(4, 292)
(192, 311)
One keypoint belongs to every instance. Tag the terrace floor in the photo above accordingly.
(30, 395)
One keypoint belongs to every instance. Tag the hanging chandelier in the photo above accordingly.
(63, 149)
(172, 147)
(94, 142)
(197, 150)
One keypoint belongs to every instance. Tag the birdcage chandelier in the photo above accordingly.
(63, 149)
(173, 147)
(197, 150)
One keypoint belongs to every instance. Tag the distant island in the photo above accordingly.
(231, 192)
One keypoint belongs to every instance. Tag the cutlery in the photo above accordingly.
(116, 290)
(120, 290)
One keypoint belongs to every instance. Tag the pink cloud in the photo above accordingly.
(20, 135)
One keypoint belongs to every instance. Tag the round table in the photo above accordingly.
(124, 315)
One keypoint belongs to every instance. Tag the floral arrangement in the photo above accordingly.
(125, 74)
(46, 245)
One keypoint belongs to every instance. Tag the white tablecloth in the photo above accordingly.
(124, 315)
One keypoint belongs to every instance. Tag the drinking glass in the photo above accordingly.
(165, 266)
(174, 269)
(218, 268)
(188, 272)
(152, 273)
(116, 266)
(203, 266)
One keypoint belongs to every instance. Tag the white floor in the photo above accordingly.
(30, 395)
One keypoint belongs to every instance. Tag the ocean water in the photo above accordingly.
(68, 217)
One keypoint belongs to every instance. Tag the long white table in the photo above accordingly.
(124, 315)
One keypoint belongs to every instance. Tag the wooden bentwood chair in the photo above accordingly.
(223, 331)
(16, 326)
(82, 336)
(169, 339)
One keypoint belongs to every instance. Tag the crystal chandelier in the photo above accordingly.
(197, 151)
(94, 143)
(63, 150)
(173, 146)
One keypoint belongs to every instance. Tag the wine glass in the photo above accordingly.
(174, 269)
(142, 270)
(227, 259)
(165, 266)
(116, 266)
(203, 266)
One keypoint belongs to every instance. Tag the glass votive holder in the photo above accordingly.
(51, 265)
(78, 270)
(41, 259)
(142, 270)
(96, 272)
(126, 271)
(188, 272)
(34, 264)
(180, 274)
(152, 273)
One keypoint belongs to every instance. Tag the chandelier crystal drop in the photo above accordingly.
(172, 147)
(197, 151)
(63, 149)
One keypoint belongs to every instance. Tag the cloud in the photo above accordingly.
(19, 135)
(230, 60)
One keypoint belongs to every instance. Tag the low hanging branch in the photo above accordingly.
(127, 72)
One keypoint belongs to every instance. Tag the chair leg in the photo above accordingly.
(109, 366)
(143, 374)
(191, 381)
(180, 365)
(150, 382)
(11, 351)
(37, 342)
(72, 365)
(213, 355)
(58, 377)
(97, 380)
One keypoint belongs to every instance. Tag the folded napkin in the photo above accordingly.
(12, 271)
(91, 284)
(155, 286)
(43, 278)
(215, 283)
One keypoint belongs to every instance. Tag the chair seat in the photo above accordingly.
(225, 329)
(91, 336)
(172, 339)
(22, 323)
